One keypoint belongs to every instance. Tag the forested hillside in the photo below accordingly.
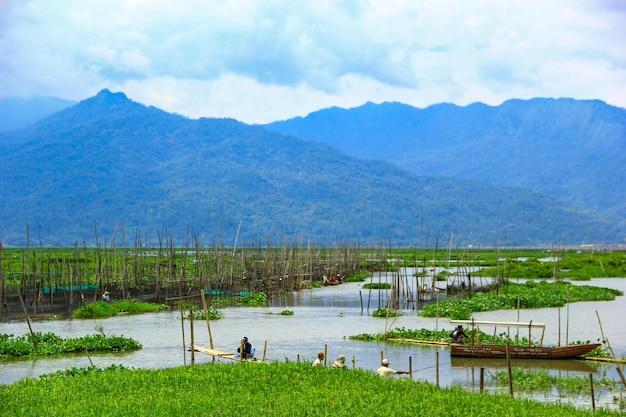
(573, 150)
(112, 168)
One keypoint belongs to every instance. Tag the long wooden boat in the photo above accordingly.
(472, 350)
(521, 352)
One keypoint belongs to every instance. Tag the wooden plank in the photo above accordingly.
(215, 352)
(419, 342)
(498, 323)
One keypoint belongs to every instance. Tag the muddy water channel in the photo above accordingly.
(326, 317)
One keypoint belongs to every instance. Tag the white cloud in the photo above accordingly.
(263, 60)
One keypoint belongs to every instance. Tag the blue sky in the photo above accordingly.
(267, 60)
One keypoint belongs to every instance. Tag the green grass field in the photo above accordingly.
(257, 389)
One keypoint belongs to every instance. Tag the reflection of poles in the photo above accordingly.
(619, 370)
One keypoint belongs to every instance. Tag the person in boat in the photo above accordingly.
(245, 349)
(319, 359)
(340, 362)
(458, 334)
(385, 371)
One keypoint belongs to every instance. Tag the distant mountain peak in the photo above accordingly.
(107, 95)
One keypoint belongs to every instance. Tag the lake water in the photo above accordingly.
(326, 317)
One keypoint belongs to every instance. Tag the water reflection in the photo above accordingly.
(325, 317)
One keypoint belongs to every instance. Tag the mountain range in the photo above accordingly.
(574, 150)
(109, 168)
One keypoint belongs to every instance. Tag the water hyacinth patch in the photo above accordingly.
(51, 344)
(101, 309)
(529, 295)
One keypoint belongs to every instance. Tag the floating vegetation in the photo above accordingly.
(211, 313)
(528, 295)
(101, 309)
(377, 286)
(385, 312)
(255, 299)
(308, 284)
(359, 277)
(402, 333)
(51, 344)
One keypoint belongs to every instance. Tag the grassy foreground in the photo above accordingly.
(256, 389)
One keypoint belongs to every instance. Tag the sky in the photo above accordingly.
(259, 61)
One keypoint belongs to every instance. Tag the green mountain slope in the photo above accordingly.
(120, 166)
(573, 150)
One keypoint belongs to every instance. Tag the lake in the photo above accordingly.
(326, 317)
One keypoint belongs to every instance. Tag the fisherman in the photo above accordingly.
(246, 348)
(458, 334)
(319, 359)
(340, 362)
(385, 371)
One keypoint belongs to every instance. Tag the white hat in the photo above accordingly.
(385, 362)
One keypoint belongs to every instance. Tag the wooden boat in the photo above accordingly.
(521, 352)
(473, 350)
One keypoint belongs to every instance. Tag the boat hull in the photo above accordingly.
(521, 352)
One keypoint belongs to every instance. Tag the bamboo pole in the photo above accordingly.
(206, 315)
(193, 357)
(19, 292)
(508, 365)
(437, 366)
(265, 350)
(593, 396)
(182, 325)
(619, 370)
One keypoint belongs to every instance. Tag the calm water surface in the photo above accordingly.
(325, 317)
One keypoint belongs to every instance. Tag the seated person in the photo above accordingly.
(340, 362)
(320, 358)
(458, 334)
(248, 349)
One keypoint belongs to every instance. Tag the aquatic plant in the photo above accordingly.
(385, 312)
(211, 313)
(254, 299)
(101, 309)
(359, 277)
(51, 344)
(377, 286)
(252, 389)
(531, 294)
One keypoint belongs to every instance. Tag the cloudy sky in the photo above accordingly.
(266, 60)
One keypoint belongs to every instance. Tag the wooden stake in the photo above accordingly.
(206, 314)
(619, 370)
(193, 357)
(593, 399)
